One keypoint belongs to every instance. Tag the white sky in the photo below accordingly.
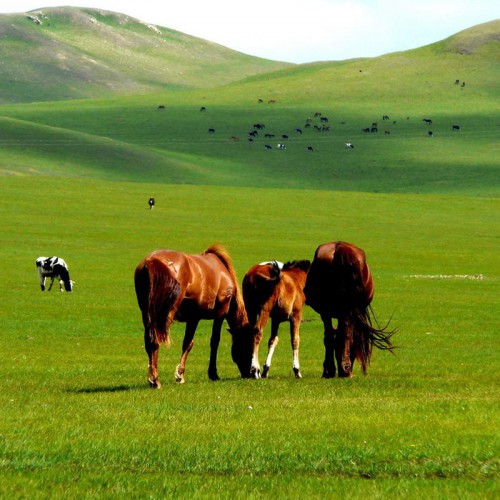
(300, 30)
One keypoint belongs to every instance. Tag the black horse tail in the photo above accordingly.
(358, 291)
(367, 336)
(157, 291)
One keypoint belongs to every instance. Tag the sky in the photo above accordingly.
(300, 31)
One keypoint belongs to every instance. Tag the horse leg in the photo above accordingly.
(152, 349)
(273, 342)
(51, 283)
(295, 339)
(214, 346)
(187, 345)
(329, 342)
(343, 345)
(255, 367)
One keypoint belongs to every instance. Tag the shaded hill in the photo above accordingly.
(129, 138)
(69, 53)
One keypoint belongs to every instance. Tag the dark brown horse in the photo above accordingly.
(274, 290)
(172, 286)
(340, 285)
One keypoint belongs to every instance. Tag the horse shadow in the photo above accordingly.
(106, 389)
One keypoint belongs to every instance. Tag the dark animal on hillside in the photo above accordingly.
(211, 131)
(455, 128)
(374, 129)
(151, 203)
(281, 146)
(203, 108)
(310, 149)
(274, 290)
(323, 119)
(161, 106)
(367, 129)
(339, 285)
(430, 133)
(267, 146)
(54, 268)
(269, 136)
(427, 121)
(349, 145)
(284, 136)
(172, 286)
(298, 131)
(385, 117)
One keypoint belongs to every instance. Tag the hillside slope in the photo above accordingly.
(70, 53)
(441, 137)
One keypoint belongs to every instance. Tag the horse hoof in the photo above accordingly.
(297, 373)
(256, 374)
(213, 377)
(179, 377)
(154, 384)
(328, 374)
(265, 371)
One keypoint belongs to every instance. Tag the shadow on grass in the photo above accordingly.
(104, 389)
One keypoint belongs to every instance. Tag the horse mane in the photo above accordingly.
(239, 314)
(303, 265)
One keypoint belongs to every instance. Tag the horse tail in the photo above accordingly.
(357, 288)
(237, 311)
(157, 291)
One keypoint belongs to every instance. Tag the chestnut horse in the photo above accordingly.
(339, 285)
(172, 286)
(275, 291)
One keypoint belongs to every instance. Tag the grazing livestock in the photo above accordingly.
(161, 106)
(267, 146)
(367, 129)
(172, 286)
(211, 131)
(349, 145)
(269, 136)
(339, 285)
(430, 133)
(385, 117)
(54, 268)
(274, 290)
(151, 203)
(427, 121)
(284, 136)
(310, 149)
(323, 119)
(203, 108)
(455, 128)
(374, 129)
(281, 146)
(298, 131)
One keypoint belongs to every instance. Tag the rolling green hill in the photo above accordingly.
(129, 138)
(69, 53)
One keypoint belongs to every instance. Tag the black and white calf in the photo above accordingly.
(54, 267)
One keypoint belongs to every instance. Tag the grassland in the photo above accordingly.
(77, 416)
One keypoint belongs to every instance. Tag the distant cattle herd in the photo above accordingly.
(319, 123)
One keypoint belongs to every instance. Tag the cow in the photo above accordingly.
(54, 267)
(151, 203)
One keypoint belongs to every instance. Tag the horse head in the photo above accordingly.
(242, 348)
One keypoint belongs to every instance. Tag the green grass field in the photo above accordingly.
(78, 419)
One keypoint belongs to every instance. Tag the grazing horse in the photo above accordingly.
(274, 290)
(54, 267)
(339, 285)
(172, 286)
